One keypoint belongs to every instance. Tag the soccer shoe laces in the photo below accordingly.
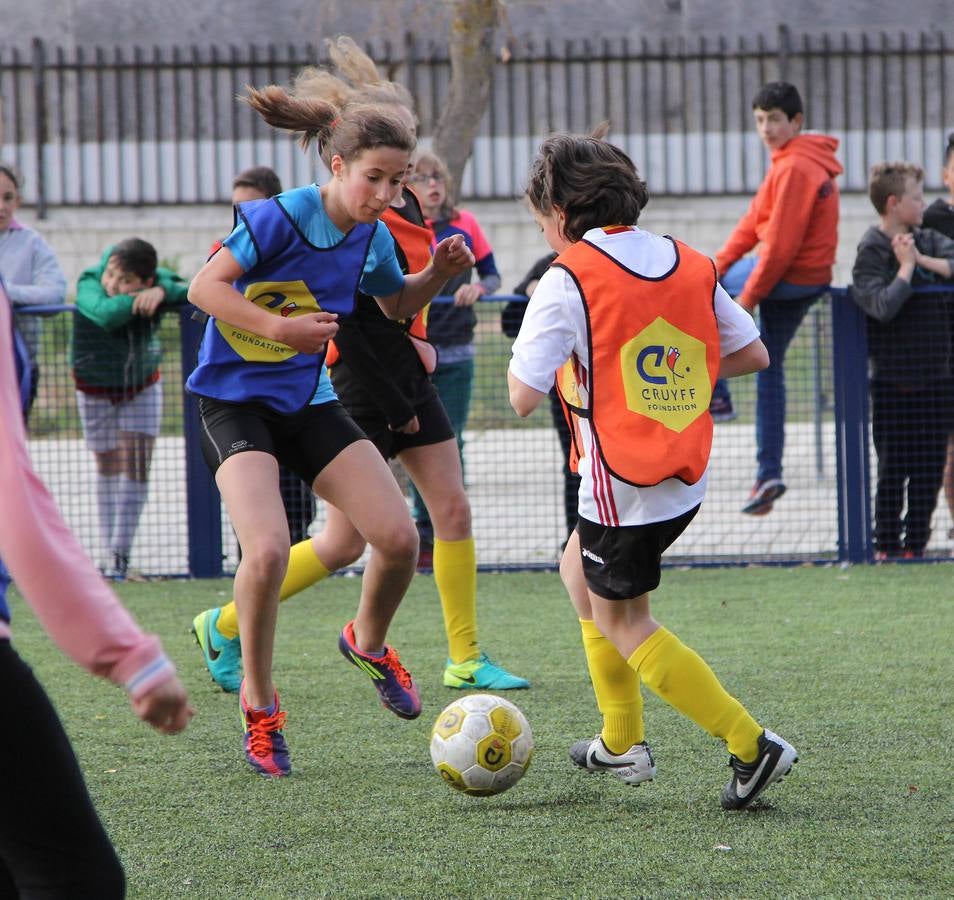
(392, 662)
(260, 732)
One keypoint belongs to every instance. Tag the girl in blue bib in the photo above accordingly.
(292, 266)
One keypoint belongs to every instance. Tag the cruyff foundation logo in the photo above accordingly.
(665, 375)
(281, 298)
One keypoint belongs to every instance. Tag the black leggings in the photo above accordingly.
(52, 844)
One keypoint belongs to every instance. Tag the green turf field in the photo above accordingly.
(852, 666)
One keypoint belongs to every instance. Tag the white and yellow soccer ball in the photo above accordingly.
(481, 745)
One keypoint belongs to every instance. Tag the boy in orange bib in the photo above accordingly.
(638, 330)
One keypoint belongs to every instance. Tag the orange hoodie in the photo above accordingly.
(793, 218)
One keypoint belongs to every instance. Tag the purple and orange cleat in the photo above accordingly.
(390, 679)
(265, 747)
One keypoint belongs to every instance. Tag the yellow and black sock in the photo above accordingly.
(682, 678)
(616, 686)
(455, 574)
(304, 570)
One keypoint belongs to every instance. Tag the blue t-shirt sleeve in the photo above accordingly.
(241, 246)
(382, 271)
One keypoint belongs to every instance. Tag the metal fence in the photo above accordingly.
(147, 125)
(514, 467)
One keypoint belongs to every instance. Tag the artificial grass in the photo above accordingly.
(850, 665)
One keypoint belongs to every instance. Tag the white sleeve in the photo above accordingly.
(548, 334)
(737, 329)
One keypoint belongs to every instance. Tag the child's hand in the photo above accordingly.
(468, 294)
(166, 707)
(452, 256)
(904, 250)
(146, 301)
(309, 333)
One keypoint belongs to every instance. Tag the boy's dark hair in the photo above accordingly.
(949, 150)
(592, 181)
(259, 178)
(890, 179)
(779, 95)
(136, 256)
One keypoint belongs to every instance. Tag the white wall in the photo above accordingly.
(183, 235)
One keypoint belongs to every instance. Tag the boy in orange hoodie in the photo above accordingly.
(793, 219)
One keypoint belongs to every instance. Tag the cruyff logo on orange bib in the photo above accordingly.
(281, 298)
(664, 374)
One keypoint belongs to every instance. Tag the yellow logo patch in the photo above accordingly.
(280, 298)
(665, 376)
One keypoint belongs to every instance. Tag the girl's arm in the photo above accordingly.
(212, 291)
(451, 257)
(523, 398)
(47, 285)
(751, 358)
(58, 580)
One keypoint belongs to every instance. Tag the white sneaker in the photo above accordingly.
(775, 760)
(634, 766)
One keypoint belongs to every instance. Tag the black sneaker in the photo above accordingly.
(634, 766)
(775, 760)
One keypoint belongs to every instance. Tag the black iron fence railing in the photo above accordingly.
(153, 125)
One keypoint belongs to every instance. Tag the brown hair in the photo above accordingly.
(592, 181)
(12, 174)
(344, 115)
(890, 179)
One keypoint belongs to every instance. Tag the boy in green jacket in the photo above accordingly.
(116, 355)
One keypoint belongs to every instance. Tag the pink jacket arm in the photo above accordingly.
(71, 600)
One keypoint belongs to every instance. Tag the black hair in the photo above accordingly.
(779, 95)
(260, 178)
(137, 257)
(949, 150)
(592, 181)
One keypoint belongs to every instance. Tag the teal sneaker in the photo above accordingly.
(222, 655)
(483, 674)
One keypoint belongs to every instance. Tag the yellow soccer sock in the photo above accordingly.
(616, 686)
(304, 570)
(455, 574)
(683, 679)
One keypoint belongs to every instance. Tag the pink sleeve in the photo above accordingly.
(482, 246)
(59, 581)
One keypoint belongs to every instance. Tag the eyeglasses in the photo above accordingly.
(424, 177)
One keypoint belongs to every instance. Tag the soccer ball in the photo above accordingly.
(481, 745)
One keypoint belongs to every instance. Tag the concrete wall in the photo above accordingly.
(183, 234)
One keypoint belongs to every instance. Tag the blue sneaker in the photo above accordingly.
(222, 655)
(481, 674)
(390, 679)
(265, 747)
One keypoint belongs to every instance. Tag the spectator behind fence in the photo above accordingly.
(909, 349)
(511, 318)
(29, 269)
(52, 843)
(940, 216)
(793, 219)
(115, 357)
(259, 183)
(450, 327)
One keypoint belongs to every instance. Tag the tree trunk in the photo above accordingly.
(471, 49)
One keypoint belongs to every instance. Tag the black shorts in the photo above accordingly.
(623, 561)
(435, 428)
(304, 442)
